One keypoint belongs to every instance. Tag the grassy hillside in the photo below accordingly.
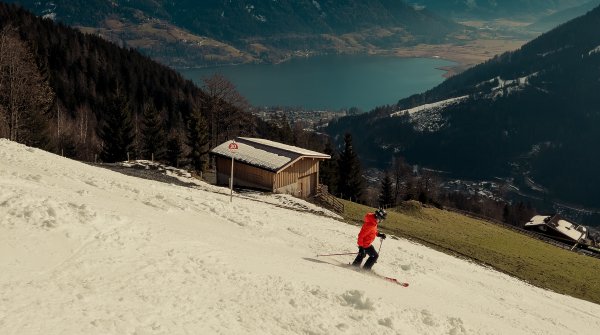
(533, 261)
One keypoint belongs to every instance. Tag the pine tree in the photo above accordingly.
(198, 140)
(328, 169)
(174, 151)
(283, 129)
(117, 132)
(386, 196)
(153, 134)
(350, 182)
(506, 213)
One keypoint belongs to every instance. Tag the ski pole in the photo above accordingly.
(348, 253)
(380, 244)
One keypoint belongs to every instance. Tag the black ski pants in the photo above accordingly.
(362, 252)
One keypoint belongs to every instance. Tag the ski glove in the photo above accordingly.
(382, 235)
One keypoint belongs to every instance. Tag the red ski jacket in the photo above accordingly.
(368, 232)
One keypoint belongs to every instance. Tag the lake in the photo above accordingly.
(330, 82)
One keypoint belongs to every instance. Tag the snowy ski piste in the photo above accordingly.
(84, 250)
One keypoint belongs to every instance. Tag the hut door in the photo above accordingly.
(304, 184)
(307, 185)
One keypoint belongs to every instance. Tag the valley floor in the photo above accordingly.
(467, 55)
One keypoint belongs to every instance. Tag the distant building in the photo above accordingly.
(557, 227)
(270, 166)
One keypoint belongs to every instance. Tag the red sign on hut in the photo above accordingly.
(233, 146)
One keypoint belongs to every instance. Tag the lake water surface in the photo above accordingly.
(330, 82)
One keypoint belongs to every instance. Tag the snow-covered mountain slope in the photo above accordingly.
(84, 250)
(428, 117)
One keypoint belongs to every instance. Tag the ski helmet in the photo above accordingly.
(380, 214)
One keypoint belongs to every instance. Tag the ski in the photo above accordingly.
(394, 280)
(369, 272)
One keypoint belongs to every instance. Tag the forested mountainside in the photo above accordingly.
(249, 30)
(555, 19)
(69, 90)
(487, 9)
(532, 114)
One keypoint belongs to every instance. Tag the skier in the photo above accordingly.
(367, 235)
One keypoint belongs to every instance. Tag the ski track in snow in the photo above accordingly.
(85, 250)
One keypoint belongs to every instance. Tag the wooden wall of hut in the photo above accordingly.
(243, 174)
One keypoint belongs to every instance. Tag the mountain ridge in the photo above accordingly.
(533, 112)
(555, 19)
(257, 31)
(497, 9)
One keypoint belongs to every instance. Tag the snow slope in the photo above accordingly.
(85, 250)
(428, 117)
(432, 106)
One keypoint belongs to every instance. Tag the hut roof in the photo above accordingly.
(265, 154)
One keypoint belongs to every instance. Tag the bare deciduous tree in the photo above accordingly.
(402, 173)
(83, 120)
(225, 107)
(25, 96)
(428, 185)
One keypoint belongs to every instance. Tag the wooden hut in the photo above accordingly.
(270, 166)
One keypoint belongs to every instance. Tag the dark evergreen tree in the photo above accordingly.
(351, 182)
(198, 140)
(117, 132)
(409, 194)
(67, 146)
(328, 169)
(423, 197)
(284, 131)
(517, 214)
(299, 136)
(36, 134)
(386, 195)
(153, 134)
(174, 151)
(524, 213)
(506, 213)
